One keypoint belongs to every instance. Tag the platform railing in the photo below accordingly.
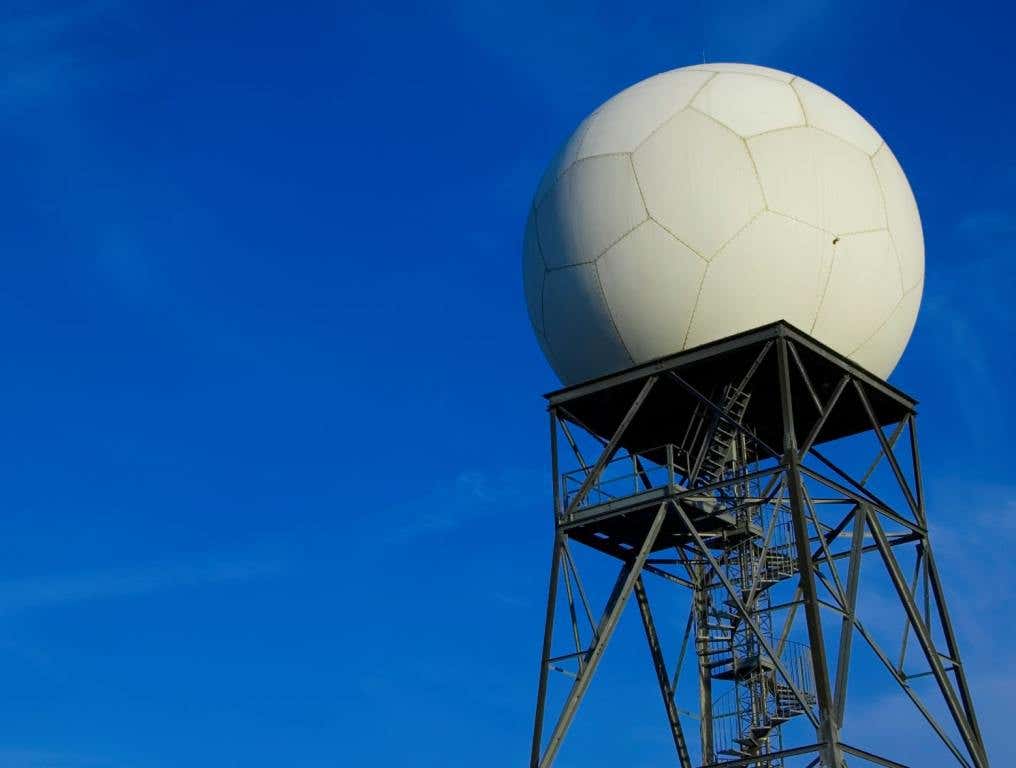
(623, 476)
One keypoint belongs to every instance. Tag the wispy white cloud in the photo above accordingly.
(40, 55)
(27, 757)
(989, 226)
(466, 497)
(27, 594)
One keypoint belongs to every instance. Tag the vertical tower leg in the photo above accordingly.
(630, 573)
(827, 731)
(661, 674)
(548, 636)
(705, 680)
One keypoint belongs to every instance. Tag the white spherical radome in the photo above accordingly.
(713, 199)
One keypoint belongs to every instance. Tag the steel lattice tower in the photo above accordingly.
(714, 475)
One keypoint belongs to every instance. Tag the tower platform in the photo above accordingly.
(616, 513)
(600, 404)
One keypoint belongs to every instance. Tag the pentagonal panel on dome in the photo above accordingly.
(883, 350)
(578, 327)
(748, 104)
(904, 219)
(593, 205)
(823, 110)
(563, 160)
(698, 181)
(863, 289)
(820, 179)
(626, 120)
(747, 69)
(650, 281)
(772, 270)
(532, 273)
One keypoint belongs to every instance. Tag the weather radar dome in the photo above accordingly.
(713, 199)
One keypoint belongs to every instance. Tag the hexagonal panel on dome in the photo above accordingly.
(578, 327)
(863, 290)
(773, 270)
(592, 206)
(532, 273)
(650, 281)
(825, 111)
(819, 179)
(748, 104)
(698, 181)
(883, 350)
(625, 121)
(904, 219)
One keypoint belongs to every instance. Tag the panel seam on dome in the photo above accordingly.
(774, 130)
(744, 142)
(800, 101)
(676, 113)
(734, 236)
(885, 214)
(539, 202)
(825, 291)
(572, 265)
(547, 191)
(543, 311)
(694, 308)
(618, 240)
(701, 68)
(716, 120)
(885, 322)
(585, 133)
(758, 176)
(667, 229)
(543, 263)
(864, 231)
(610, 314)
(849, 143)
(808, 224)
(638, 186)
(691, 105)
(593, 157)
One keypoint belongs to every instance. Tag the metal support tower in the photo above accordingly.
(714, 474)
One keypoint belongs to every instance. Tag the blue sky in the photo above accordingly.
(273, 471)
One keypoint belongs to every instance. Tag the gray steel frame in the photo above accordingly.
(815, 540)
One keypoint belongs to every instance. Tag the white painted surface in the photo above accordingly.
(901, 211)
(698, 181)
(575, 316)
(626, 120)
(748, 104)
(713, 199)
(592, 206)
(665, 274)
(819, 179)
(827, 113)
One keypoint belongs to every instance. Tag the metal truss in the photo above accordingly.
(769, 538)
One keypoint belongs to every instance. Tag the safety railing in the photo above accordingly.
(622, 476)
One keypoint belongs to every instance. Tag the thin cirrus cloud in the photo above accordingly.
(467, 497)
(38, 55)
(28, 594)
